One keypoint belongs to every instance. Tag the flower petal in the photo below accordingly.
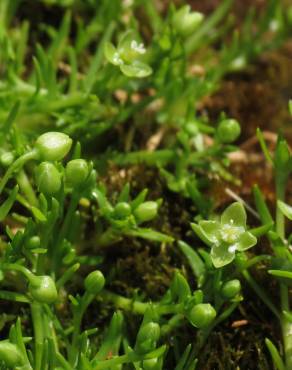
(234, 215)
(136, 69)
(222, 255)
(246, 241)
(211, 230)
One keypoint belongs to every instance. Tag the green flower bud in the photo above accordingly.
(241, 260)
(147, 337)
(122, 210)
(53, 146)
(48, 178)
(150, 364)
(43, 289)
(201, 315)
(33, 242)
(228, 131)
(186, 22)
(146, 211)
(76, 172)
(282, 157)
(94, 282)
(231, 288)
(7, 158)
(10, 354)
(192, 128)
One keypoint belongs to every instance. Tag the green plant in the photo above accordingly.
(76, 75)
(230, 235)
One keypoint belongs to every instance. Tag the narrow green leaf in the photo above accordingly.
(198, 230)
(57, 47)
(285, 209)
(124, 194)
(39, 216)
(21, 47)
(281, 273)
(6, 206)
(11, 118)
(278, 362)
(150, 234)
(38, 76)
(261, 206)
(140, 198)
(195, 261)
(264, 147)
(184, 358)
(261, 230)
(112, 340)
(288, 316)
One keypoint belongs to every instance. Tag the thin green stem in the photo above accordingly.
(77, 320)
(36, 313)
(286, 325)
(13, 266)
(56, 252)
(173, 323)
(16, 166)
(139, 307)
(124, 303)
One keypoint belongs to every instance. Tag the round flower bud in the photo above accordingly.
(231, 288)
(186, 22)
(33, 242)
(122, 210)
(76, 172)
(43, 289)
(241, 260)
(147, 337)
(201, 315)
(48, 178)
(228, 131)
(10, 354)
(94, 282)
(146, 211)
(53, 146)
(7, 158)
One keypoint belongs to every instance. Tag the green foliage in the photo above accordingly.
(76, 75)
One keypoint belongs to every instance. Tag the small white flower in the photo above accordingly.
(117, 59)
(139, 48)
